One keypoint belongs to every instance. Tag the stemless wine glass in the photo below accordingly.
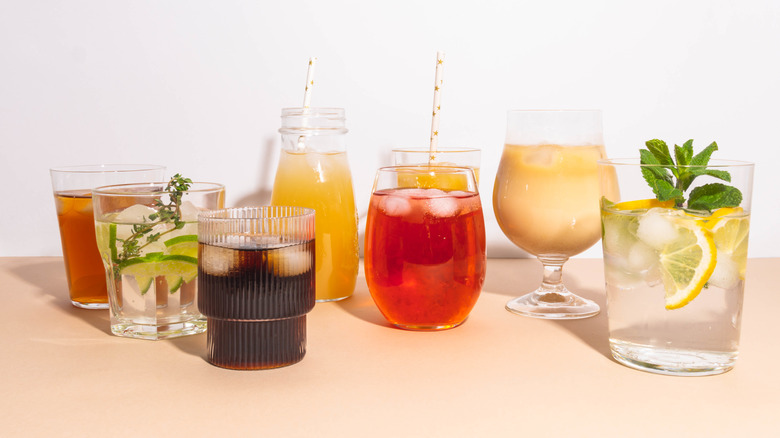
(546, 200)
(425, 245)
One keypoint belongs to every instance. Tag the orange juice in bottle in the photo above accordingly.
(314, 172)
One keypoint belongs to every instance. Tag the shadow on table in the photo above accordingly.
(361, 305)
(194, 345)
(527, 276)
(48, 277)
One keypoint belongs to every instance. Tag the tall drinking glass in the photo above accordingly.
(425, 246)
(72, 186)
(675, 275)
(546, 197)
(451, 156)
(150, 258)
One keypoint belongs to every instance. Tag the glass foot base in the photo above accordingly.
(158, 332)
(330, 300)
(429, 328)
(553, 305)
(89, 305)
(672, 362)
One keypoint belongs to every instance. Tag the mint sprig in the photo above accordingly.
(671, 177)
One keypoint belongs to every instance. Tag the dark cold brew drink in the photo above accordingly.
(255, 290)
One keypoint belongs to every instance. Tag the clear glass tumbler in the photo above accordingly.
(425, 245)
(675, 273)
(72, 187)
(147, 236)
(256, 280)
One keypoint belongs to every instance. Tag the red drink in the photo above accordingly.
(425, 255)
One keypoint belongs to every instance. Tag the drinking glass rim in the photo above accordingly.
(440, 150)
(115, 189)
(107, 168)
(560, 110)
(714, 163)
(210, 215)
(456, 167)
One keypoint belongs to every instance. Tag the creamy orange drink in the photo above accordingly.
(322, 181)
(546, 197)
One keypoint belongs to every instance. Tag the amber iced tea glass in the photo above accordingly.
(72, 186)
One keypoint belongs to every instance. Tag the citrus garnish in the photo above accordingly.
(688, 261)
(642, 204)
(183, 245)
(731, 239)
(155, 264)
(441, 177)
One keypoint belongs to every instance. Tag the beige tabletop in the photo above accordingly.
(64, 374)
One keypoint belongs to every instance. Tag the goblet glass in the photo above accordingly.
(546, 200)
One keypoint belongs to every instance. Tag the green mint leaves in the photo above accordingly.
(671, 177)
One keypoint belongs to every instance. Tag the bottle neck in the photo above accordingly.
(313, 130)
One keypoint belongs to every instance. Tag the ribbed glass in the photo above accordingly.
(256, 280)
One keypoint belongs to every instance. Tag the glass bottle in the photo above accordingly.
(314, 172)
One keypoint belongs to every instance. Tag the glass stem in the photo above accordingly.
(553, 271)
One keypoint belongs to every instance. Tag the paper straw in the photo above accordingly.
(309, 82)
(436, 104)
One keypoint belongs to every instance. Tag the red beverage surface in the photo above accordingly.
(425, 255)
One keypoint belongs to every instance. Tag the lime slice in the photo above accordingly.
(183, 245)
(173, 267)
(144, 283)
(174, 282)
(688, 261)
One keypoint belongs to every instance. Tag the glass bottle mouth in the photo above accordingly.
(313, 120)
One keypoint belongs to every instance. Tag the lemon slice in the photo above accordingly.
(642, 204)
(173, 267)
(687, 262)
(731, 239)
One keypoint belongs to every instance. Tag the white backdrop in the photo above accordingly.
(198, 86)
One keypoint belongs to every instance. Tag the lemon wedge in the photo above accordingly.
(642, 204)
(688, 261)
(730, 235)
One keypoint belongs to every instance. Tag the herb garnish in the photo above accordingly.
(169, 212)
(670, 178)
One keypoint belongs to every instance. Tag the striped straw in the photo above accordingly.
(436, 104)
(309, 82)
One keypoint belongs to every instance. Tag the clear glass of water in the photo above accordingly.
(675, 275)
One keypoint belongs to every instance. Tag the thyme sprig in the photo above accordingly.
(167, 213)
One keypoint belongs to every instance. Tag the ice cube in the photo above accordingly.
(216, 260)
(189, 212)
(135, 214)
(289, 261)
(442, 207)
(397, 206)
(434, 193)
(641, 257)
(656, 228)
(726, 273)
(543, 156)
